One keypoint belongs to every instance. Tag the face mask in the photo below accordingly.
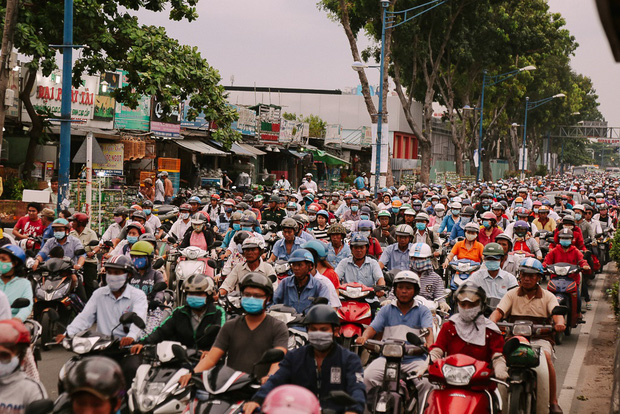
(9, 367)
(433, 203)
(492, 265)
(578, 216)
(568, 226)
(420, 226)
(335, 199)
(147, 211)
(236, 226)
(118, 220)
(469, 315)
(486, 224)
(290, 213)
(59, 235)
(465, 220)
(321, 341)
(456, 212)
(228, 209)
(518, 205)
(132, 239)
(116, 282)
(439, 213)
(536, 210)
(246, 228)
(197, 227)
(395, 210)
(139, 262)
(5, 267)
(565, 242)
(253, 306)
(354, 208)
(184, 216)
(520, 233)
(312, 217)
(405, 199)
(365, 233)
(364, 217)
(196, 302)
(471, 237)
(486, 207)
(421, 265)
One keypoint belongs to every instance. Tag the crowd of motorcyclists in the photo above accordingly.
(441, 271)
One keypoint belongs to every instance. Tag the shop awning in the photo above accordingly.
(328, 158)
(299, 155)
(199, 146)
(246, 150)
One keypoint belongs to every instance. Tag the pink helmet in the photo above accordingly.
(291, 399)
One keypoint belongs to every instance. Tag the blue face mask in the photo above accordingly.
(486, 224)
(59, 235)
(354, 208)
(456, 212)
(518, 205)
(395, 210)
(195, 302)
(147, 211)
(140, 262)
(5, 267)
(492, 265)
(246, 228)
(420, 226)
(253, 306)
(578, 216)
(228, 209)
(236, 226)
(465, 220)
(565, 242)
(486, 207)
(132, 239)
(364, 217)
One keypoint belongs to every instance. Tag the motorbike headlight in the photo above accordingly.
(393, 351)
(62, 292)
(83, 345)
(562, 270)
(522, 330)
(352, 292)
(458, 376)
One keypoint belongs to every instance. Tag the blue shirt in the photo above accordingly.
(457, 231)
(72, 245)
(286, 293)
(494, 287)
(279, 249)
(227, 238)
(446, 224)
(306, 237)
(393, 258)
(104, 309)
(18, 287)
(333, 258)
(368, 274)
(48, 233)
(359, 182)
(395, 325)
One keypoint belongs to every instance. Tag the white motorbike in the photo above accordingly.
(192, 261)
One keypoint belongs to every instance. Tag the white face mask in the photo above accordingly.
(9, 367)
(184, 216)
(439, 213)
(116, 282)
(469, 315)
(471, 237)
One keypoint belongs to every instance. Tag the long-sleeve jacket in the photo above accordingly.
(340, 370)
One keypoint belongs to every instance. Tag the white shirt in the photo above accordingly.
(311, 185)
(159, 190)
(154, 222)
(334, 300)
(179, 228)
(112, 232)
(5, 307)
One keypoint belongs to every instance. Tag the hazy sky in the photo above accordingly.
(290, 43)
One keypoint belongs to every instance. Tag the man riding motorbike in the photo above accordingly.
(490, 277)
(252, 248)
(396, 256)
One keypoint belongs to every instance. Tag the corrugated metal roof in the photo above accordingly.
(199, 146)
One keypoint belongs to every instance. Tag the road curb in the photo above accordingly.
(615, 391)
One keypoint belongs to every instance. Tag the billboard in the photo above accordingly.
(137, 119)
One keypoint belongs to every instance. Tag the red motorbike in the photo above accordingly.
(564, 283)
(466, 385)
(354, 312)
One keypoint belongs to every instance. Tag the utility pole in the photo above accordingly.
(10, 21)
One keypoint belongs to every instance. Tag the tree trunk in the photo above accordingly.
(36, 131)
(10, 20)
(425, 155)
(459, 150)
(487, 173)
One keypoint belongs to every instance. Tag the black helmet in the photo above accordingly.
(120, 262)
(240, 236)
(120, 211)
(257, 280)
(97, 375)
(321, 314)
(471, 292)
(468, 211)
(55, 265)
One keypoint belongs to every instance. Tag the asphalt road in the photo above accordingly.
(568, 363)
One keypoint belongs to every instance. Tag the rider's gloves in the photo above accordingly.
(421, 370)
(444, 307)
(499, 367)
(435, 354)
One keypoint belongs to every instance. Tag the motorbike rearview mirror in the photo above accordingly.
(40, 407)
(271, 356)
(159, 287)
(20, 303)
(172, 238)
(80, 252)
(93, 243)
(559, 310)
(414, 339)
(511, 345)
(179, 352)
(158, 263)
(132, 317)
(212, 263)
(340, 398)
(319, 300)
(272, 278)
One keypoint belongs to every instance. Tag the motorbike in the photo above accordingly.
(167, 214)
(160, 302)
(603, 240)
(296, 337)
(566, 290)
(354, 311)
(52, 291)
(528, 373)
(192, 261)
(545, 239)
(438, 315)
(227, 389)
(461, 270)
(397, 393)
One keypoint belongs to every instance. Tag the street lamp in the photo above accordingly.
(529, 106)
(490, 81)
(390, 20)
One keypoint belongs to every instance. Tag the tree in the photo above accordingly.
(317, 126)
(113, 40)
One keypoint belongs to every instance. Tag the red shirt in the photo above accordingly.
(375, 249)
(332, 276)
(29, 227)
(577, 237)
(482, 236)
(449, 341)
(572, 256)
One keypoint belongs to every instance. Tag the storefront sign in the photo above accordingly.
(333, 134)
(104, 103)
(46, 96)
(199, 123)
(114, 159)
(246, 125)
(293, 131)
(165, 124)
(136, 119)
(610, 141)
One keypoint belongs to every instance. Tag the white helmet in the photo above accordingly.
(404, 230)
(253, 242)
(420, 251)
(407, 276)
(456, 205)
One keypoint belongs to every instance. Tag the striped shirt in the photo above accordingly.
(320, 234)
(431, 286)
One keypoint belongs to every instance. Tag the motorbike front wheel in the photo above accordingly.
(568, 331)
(47, 330)
(559, 337)
(519, 401)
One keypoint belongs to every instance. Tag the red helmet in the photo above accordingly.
(185, 207)
(215, 196)
(80, 218)
(136, 207)
(229, 202)
(203, 214)
(13, 332)
(138, 226)
(291, 399)
(314, 207)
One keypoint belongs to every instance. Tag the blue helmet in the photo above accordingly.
(317, 246)
(359, 240)
(194, 199)
(14, 251)
(365, 224)
(301, 255)
(531, 265)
